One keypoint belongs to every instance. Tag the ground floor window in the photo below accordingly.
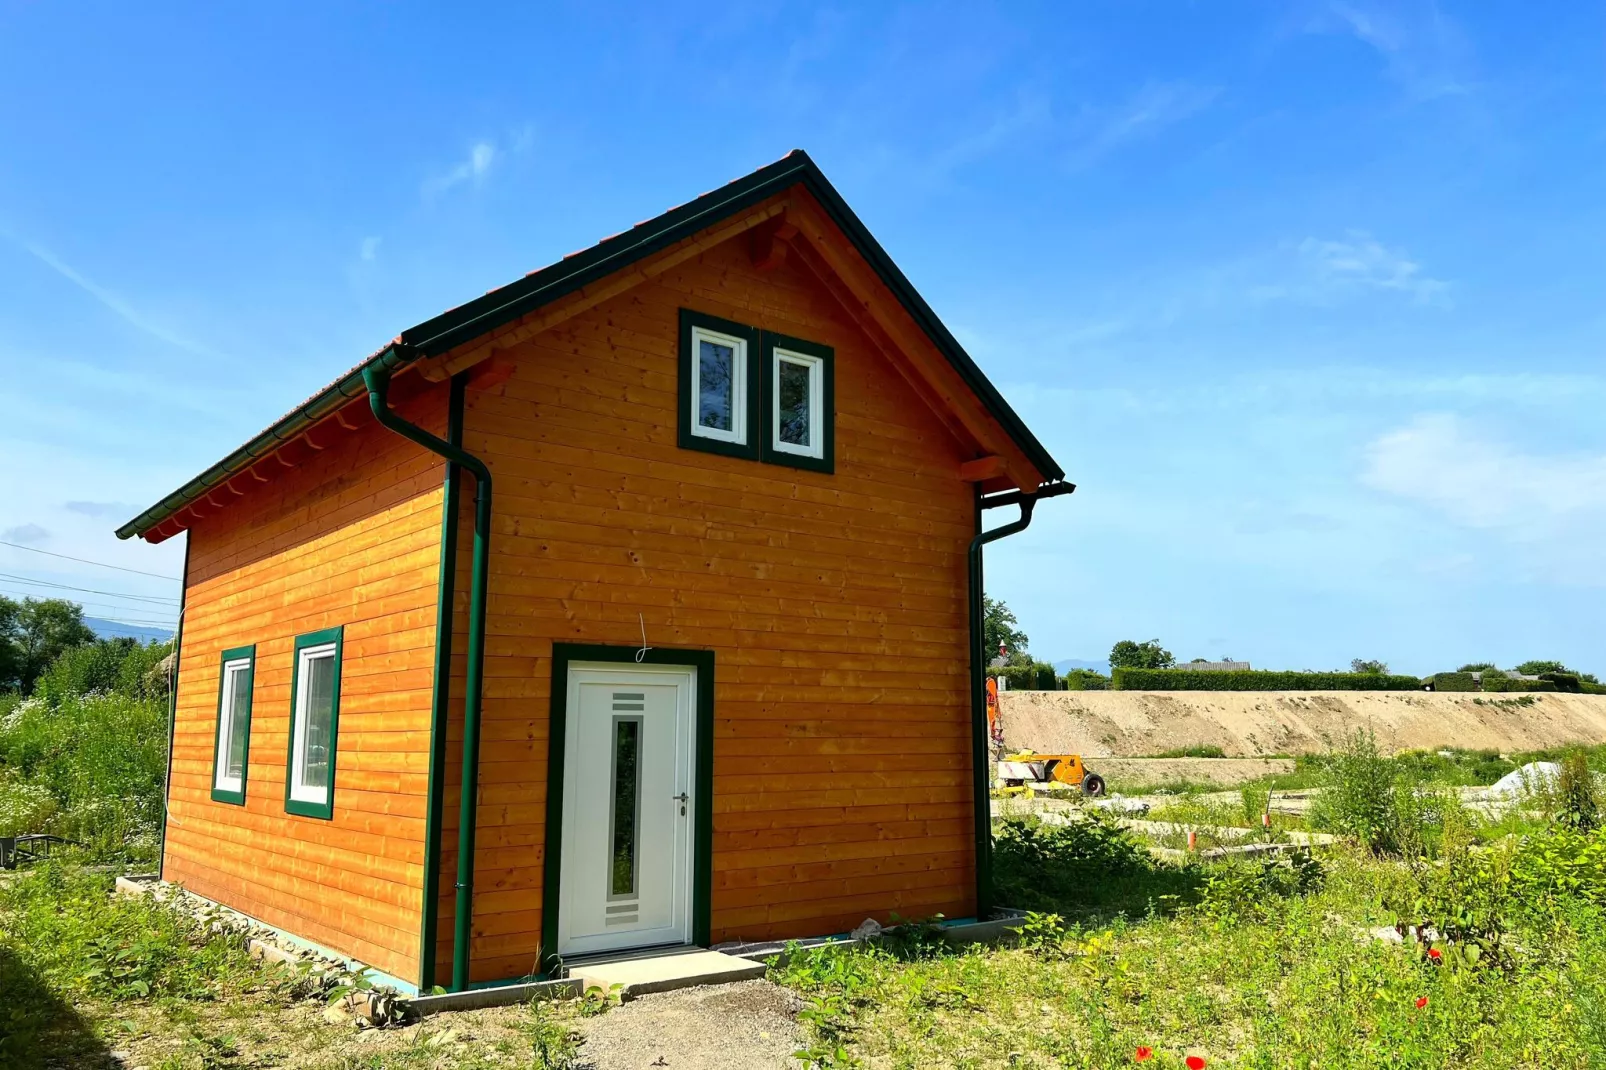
(233, 742)
(314, 722)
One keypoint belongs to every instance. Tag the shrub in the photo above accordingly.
(1086, 680)
(1452, 681)
(1564, 681)
(1575, 792)
(121, 665)
(1254, 890)
(101, 758)
(1257, 680)
(1358, 795)
(1592, 689)
(1028, 676)
(1373, 799)
(1090, 864)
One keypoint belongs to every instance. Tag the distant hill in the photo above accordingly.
(110, 629)
(1062, 667)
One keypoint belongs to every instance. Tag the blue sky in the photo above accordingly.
(1306, 297)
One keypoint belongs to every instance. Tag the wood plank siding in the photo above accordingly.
(834, 603)
(350, 537)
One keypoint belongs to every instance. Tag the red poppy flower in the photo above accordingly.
(1435, 954)
(1195, 1062)
(1421, 1001)
(1143, 1054)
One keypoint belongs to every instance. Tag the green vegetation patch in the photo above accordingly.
(1257, 680)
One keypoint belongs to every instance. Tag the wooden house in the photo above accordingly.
(634, 603)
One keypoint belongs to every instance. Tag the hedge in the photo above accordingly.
(1086, 680)
(1257, 680)
(1038, 676)
(1591, 689)
(1506, 683)
(1564, 681)
(1453, 681)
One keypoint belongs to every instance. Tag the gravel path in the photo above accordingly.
(749, 1025)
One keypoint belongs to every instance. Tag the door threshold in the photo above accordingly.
(628, 954)
(663, 970)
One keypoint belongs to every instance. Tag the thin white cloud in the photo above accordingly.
(116, 304)
(1361, 260)
(1422, 49)
(1440, 460)
(369, 248)
(1153, 108)
(481, 156)
(1326, 270)
(26, 534)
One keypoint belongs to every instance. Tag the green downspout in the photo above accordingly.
(378, 382)
(440, 711)
(980, 787)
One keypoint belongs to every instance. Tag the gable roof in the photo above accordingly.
(472, 319)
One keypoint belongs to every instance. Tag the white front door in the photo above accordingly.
(627, 807)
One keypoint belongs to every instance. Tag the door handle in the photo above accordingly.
(682, 799)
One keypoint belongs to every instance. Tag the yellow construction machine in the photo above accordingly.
(1027, 768)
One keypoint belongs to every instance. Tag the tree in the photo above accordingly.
(10, 650)
(1535, 668)
(1145, 655)
(42, 629)
(1370, 668)
(998, 625)
(1477, 666)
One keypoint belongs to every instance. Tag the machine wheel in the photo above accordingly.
(1093, 785)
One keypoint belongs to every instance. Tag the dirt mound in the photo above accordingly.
(1251, 723)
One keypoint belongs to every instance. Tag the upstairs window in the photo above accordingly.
(755, 394)
(799, 389)
(231, 748)
(314, 724)
(717, 385)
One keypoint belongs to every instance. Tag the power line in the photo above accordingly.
(154, 625)
(154, 599)
(86, 561)
(86, 603)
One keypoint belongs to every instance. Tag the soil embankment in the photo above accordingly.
(1251, 723)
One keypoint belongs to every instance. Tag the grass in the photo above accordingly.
(86, 973)
(1246, 970)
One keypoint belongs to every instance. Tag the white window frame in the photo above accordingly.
(816, 366)
(299, 791)
(221, 781)
(738, 432)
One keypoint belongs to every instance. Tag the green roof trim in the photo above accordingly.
(452, 328)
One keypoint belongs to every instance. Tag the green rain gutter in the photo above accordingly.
(377, 379)
(440, 714)
(980, 787)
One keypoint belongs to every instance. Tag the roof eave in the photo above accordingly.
(475, 318)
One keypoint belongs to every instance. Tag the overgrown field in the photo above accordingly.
(83, 756)
(1432, 936)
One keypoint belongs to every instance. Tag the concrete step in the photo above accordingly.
(639, 975)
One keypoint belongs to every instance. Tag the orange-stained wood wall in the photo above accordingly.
(351, 536)
(835, 605)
